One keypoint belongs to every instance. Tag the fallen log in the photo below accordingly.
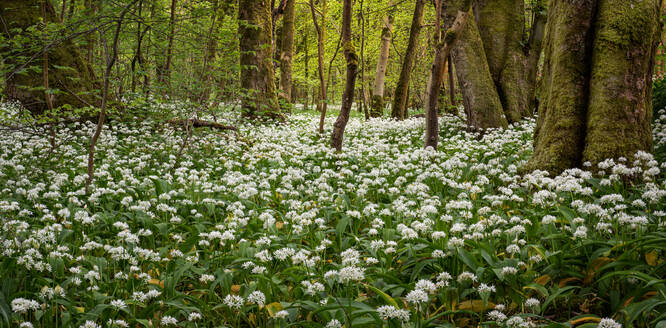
(196, 123)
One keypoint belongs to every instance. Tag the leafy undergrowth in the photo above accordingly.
(271, 228)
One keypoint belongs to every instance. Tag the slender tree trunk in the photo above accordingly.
(596, 86)
(400, 98)
(436, 74)
(352, 64)
(210, 54)
(63, 10)
(257, 78)
(380, 72)
(111, 60)
(452, 85)
(169, 54)
(92, 6)
(287, 50)
(321, 37)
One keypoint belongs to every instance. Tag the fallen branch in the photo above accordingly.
(196, 123)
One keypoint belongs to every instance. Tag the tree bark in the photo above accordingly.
(287, 50)
(620, 106)
(597, 82)
(380, 72)
(352, 64)
(69, 74)
(452, 85)
(92, 6)
(437, 72)
(167, 68)
(400, 98)
(482, 103)
(257, 77)
(322, 102)
(210, 54)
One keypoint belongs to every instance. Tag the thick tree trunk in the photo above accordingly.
(257, 78)
(596, 92)
(501, 25)
(400, 98)
(455, 32)
(482, 103)
(380, 73)
(68, 72)
(623, 54)
(560, 132)
(287, 51)
(352, 65)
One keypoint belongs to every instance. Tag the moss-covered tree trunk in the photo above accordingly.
(596, 91)
(287, 50)
(620, 106)
(482, 103)
(70, 75)
(380, 73)
(257, 76)
(399, 107)
(501, 26)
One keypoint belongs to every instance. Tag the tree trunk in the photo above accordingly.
(68, 72)
(400, 99)
(437, 72)
(452, 85)
(322, 102)
(167, 68)
(482, 103)
(620, 106)
(287, 50)
(210, 55)
(257, 78)
(380, 73)
(597, 80)
(352, 64)
(92, 6)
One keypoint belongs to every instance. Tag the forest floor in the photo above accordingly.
(271, 228)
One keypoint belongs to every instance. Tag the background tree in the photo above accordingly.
(287, 49)
(399, 107)
(382, 62)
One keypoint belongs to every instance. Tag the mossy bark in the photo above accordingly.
(596, 90)
(482, 103)
(502, 29)
(257, 76)
(620, 105)
(399, 107)
(560, 131)
(69, 74)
